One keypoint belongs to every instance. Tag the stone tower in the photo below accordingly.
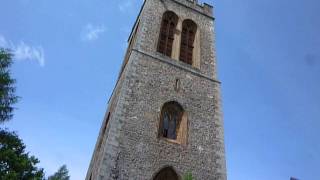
(164, 116)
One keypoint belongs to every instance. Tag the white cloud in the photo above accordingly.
(125, 5)
(23, 51)
(26, 52)
(91, 33)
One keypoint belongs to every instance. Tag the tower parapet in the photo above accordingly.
(203, 8)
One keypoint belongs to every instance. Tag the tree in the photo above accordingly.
(188, 176)
(15, 163)
(61, 174)
(7, 89)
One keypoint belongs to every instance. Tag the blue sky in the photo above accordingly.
(68, 54)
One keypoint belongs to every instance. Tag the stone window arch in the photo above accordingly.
(188, 36)
(173, 123)
(166, 173)
(167, 31)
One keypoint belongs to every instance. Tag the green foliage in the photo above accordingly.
(7, 89)
(61, 174)
(188, 176)
(15, 163)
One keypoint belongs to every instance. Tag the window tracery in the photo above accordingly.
(167, 30)
(189, 29)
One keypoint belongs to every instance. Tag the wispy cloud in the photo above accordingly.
(23, 51)
(125, 5)
(91, 32)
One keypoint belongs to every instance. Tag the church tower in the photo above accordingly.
(164, 117)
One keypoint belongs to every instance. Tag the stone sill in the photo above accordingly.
(173, 141)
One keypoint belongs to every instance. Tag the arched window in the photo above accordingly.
(189, 29)
(166, 173)
(171, 117)
(173, 122)
(166, 37)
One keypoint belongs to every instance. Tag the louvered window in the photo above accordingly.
(166, 37)
(189, 29)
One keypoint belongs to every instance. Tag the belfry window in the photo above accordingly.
(189, 29)
(173, 122)
(167, 30)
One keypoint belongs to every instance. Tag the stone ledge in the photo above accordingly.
(204, 9)
(172, 62)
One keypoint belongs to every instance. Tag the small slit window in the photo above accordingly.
(104, 130)
(167, 31)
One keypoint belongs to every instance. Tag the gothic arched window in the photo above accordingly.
(167, 30)
(173, 122)
(189, 29)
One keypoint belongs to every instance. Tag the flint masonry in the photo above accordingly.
(164, 117)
